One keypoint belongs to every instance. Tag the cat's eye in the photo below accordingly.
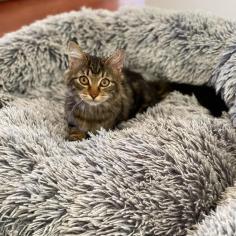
(83, 80)
(105, 82)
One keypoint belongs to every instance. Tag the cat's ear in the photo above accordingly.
(75, 55)
(116, 60)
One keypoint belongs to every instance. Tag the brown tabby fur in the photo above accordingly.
(91, 107)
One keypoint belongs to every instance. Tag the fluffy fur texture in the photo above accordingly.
(223, 221)
(160, 174)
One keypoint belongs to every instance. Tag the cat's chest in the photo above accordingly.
(95, 118)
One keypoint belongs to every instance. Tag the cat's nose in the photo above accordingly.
(93, 95)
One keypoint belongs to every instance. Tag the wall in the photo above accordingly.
(225, 8)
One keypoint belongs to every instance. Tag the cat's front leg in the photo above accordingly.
(75, 134)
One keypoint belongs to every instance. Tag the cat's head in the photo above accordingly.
(94, 79)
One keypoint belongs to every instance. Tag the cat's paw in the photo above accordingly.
(73, 137)
(76, 135)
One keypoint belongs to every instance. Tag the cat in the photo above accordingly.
(101, 94)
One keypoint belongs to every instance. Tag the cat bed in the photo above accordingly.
(169, 171)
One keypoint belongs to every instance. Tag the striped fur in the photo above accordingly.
(127, 93)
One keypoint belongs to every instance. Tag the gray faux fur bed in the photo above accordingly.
(160, 173)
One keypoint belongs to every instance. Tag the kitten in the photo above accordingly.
(100, 94)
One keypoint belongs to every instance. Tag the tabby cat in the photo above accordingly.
(100, 94)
